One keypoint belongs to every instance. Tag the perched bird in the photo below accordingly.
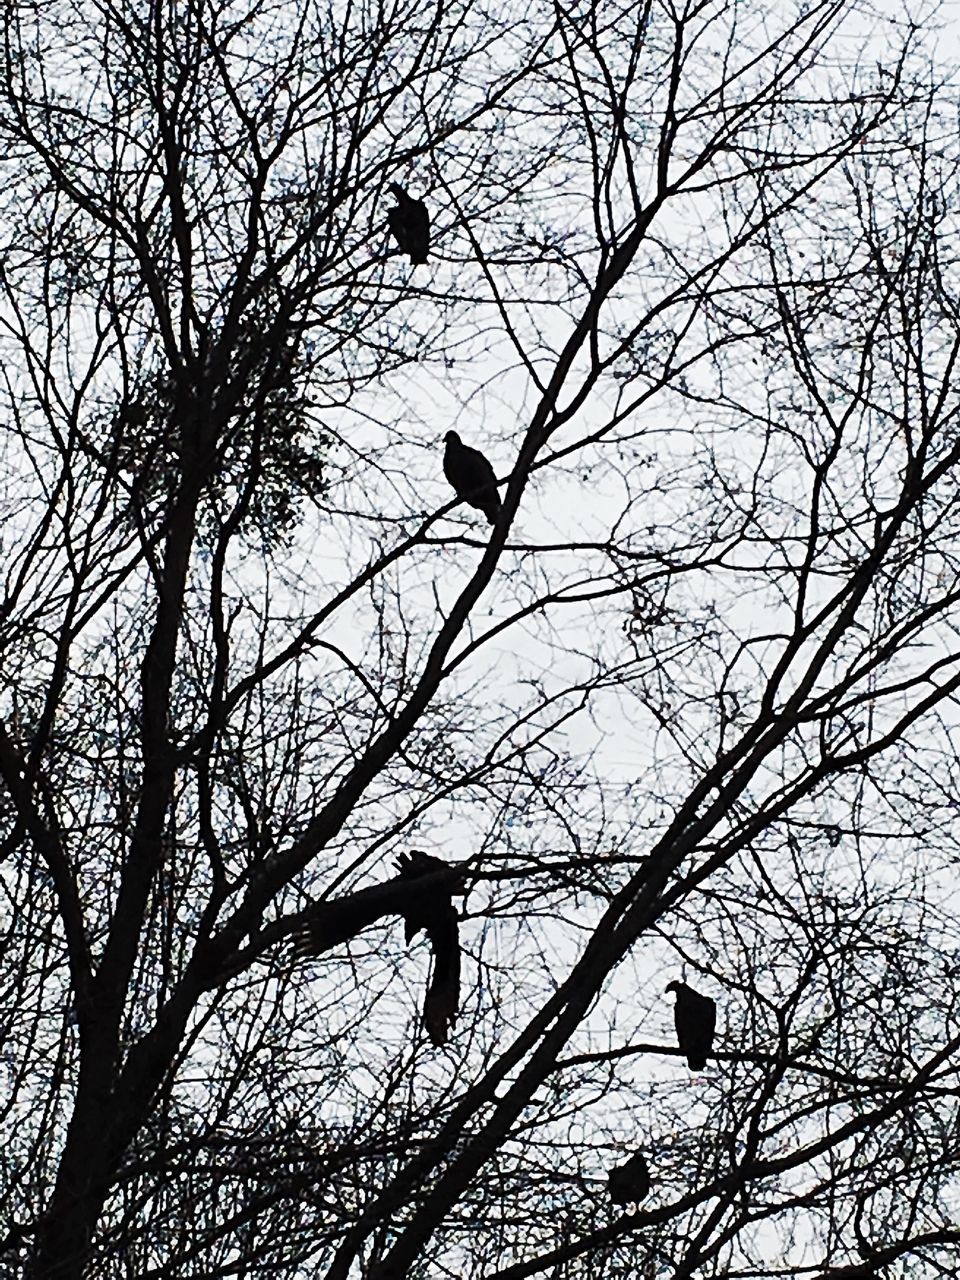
(419, 912)
(338, 920)
(695, 1017)
(434, 912)
(410, 224)
(629, 1182)
(471, 475)
(426, 906)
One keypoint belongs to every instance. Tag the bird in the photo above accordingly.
(695, 1017)
(429, 907)
(471, 475)
(629, 1182)
(337, 920)
(419, 912)
(434, 912)
(410, 224)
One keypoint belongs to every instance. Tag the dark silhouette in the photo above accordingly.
(695, 1017)
(856, 1271)
(410, 224)
(433, 911)
(471, 475)
(419, 912)
(427, 906)
(629, 1182)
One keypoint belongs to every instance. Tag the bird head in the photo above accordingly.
(451, 438)
(396, 190)
(675, 986)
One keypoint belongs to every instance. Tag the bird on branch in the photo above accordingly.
(422, 894)
(695, 1017)
(471, 475)
(629, 1183)
(410, 224)
(433, 911)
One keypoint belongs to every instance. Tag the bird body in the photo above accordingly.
(426, 906)
(695, 1017)
(434, 912)
(629, 1182)
(410, 224)
(421, 912)
(471, 475)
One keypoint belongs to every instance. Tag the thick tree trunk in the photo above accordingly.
(109, 1108)
(63, 1240)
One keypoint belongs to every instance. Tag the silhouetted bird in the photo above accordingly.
(629, 1182)
(471, 475)
(419, 912)
(338, 920)
(434, 912)
(410, 224)
(695, 1017)
(426, 906)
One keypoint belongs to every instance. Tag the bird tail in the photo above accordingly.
(491, 507)
(443, 993)
(696, 1063)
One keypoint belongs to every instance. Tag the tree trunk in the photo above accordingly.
(63, 1241)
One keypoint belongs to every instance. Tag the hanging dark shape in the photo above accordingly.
(423, 906)
(433, 911)
(410, 224)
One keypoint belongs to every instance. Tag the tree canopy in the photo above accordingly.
(686, 711)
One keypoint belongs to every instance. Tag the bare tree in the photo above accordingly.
(686, 709)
